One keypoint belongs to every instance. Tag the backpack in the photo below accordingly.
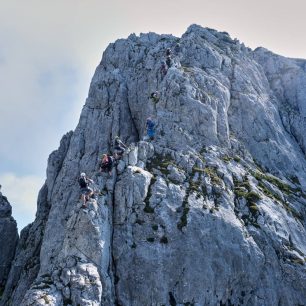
(110, 160)
(83, 182)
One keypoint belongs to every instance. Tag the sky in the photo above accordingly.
(49, 51)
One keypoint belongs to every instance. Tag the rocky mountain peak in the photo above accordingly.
(209, 212)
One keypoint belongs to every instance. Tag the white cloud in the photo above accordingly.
(21, 192)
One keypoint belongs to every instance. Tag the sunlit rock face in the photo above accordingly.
(210, 212)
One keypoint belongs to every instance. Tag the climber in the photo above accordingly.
(168, 52)
(169, 61)
(155, 96)
(150, 126)
(163, 68)
(119, 148)
(86, 191)
(106, 163)
(177, 48)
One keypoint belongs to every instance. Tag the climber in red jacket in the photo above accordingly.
(106, 164)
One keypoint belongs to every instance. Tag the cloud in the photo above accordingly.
(22, 192)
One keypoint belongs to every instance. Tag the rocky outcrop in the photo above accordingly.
(26, 264)
(206, 234)
(8, 240)
(211, 212)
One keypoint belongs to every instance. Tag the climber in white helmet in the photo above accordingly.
(86, 191)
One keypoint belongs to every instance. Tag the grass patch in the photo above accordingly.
(276, 197)
(211, 172)
(183, 219)
(226, 158)
(237, 159)
(246, 185)
(268, 192)
(298, 261)
(244, 190)
(253, 208)
(47, 301)
(196, 169)
(187, 69)
(273, 180)
(194, 186)
(253, 196)
(161, 163)
(197, 187)
(240, 192)
(294, 213)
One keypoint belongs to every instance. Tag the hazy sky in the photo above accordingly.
(49, 51)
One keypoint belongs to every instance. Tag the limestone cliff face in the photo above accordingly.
(212, 212)
(8, 240)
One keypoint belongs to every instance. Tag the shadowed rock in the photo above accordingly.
(8, 240)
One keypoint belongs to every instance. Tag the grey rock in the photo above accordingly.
(176, 175)
(184, 218)
(121, 166)
(26, 264)
(8, 239)
(133, 156)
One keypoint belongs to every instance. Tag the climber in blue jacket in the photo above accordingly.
(150, 126)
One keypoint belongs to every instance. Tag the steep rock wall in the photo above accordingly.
(211, 212)
(8, 240)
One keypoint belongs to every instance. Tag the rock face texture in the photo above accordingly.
(8, 240)
(211, 212)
